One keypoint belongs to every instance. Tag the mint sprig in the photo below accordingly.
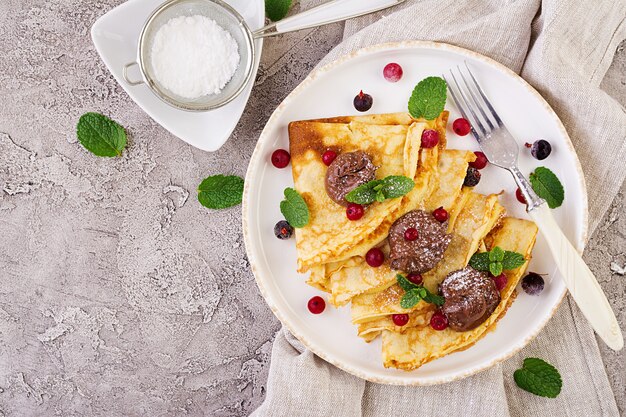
(393, 186)
(547, 186)
(220, 191)
(101, 135)
(415, 293)
(428, 98)
(539, 377)
(496, 260)
(277, 9)
(294, 208)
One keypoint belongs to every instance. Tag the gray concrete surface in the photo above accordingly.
(119, 293)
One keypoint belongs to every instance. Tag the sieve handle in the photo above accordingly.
(125, 74)
(329, 12)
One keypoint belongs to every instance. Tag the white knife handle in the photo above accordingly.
(332, 11)
(579, 279)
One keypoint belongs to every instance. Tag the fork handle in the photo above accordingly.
(579, 279)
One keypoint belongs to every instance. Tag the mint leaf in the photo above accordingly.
(480, 261)
(364, 193)
(220, 191)
(294, 208)
(428, 98)
(438, 300)
(496, 254)
(495, 268)
(547, 186)
(393, 186)
(539, 377)
(404, 283)
(411, 298)
(277, 9)
(415, 293)
(512, 260)
(101, 135)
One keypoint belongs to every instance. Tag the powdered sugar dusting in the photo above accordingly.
(193, 56)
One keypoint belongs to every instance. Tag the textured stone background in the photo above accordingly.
(119, 293)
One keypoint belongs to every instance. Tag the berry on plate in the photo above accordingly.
(533, 283)
(400, 319)
(283, 230)
(354, 211)
(316, 305)
(363, 102)
(280, 158)
(439, 321)
(430, 138)
(392, 72)
(541, 149)
(375, 257)
(461, 126)
(501, 281)
(480, 162)
(415, 278)
(472, 178)
(440, 214)
(328, 157)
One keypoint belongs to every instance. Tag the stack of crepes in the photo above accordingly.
(333, 248)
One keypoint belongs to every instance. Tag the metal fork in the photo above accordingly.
(502, 150)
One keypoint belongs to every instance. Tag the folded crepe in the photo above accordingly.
(477, 216)
(346, 279)
(394, 143)
(420, 343)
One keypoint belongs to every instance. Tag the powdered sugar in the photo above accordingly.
(193, 56)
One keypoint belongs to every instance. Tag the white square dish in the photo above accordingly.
(115, 36)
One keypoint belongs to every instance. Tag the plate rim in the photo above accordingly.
(256, 158)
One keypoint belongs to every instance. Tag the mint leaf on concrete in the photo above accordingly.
(101, 135)
(220, 191)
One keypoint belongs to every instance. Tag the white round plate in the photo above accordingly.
(329, 91)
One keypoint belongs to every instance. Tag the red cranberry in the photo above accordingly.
(411, 234)
(354, 211)
(439, 321)
(441, 215)
(520, 197)
(415, 278)
(430, 138)
(328, 157)
(280, 158)
(500, 281)
(400, 319)
(374, 257)
(316, 305)
(461, 126)
(392, 72)
(480, 162)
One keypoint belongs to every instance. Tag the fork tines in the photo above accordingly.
(472, 102)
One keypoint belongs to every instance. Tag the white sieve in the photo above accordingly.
(229, 19)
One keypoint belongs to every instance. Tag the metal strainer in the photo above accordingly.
(229, 19)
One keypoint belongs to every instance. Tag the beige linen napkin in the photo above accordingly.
(563, 48)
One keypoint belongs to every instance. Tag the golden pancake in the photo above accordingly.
(418, 345)
(475, 219)
(330, 236)
(354, 276)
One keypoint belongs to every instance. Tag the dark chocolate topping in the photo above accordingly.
(426, 251)
(348, 171)
(471, 297)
